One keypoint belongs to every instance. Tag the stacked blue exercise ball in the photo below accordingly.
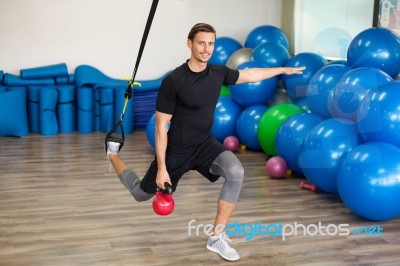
(226, 113)
(266, 33)
(290, 137)
(376, 47)
(253, 93)
(247, 126)
(321, 87)
(296, 85)
(304, 104)
(272, 54)
(352, 88)
(379, 116)
(224, 47)
(338, 61)
(323, 148)
(368, 181)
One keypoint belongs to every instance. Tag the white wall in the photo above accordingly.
(107, 33)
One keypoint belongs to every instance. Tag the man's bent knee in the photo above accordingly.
(233, 183)
(132, 182)
(139, 195)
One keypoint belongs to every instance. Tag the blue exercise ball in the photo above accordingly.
(321, 87)
(225, 116)
(322, 149)
(247, 126)
(304, 104)
(253, 93)
(338, 61)
(368, 181)
(352, 87)
(290, 137)
(224, 47)
(270, 53)
(379, 116)
(376, 47)
(266, 33)
(150, 131)
(296, 85)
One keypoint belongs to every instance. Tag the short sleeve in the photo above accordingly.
(231, 76)
(166, 97)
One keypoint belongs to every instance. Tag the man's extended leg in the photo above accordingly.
(228, 166)
(128, 178)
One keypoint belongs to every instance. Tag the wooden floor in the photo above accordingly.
(61, 205)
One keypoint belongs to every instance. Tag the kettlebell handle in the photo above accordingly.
(168, 188)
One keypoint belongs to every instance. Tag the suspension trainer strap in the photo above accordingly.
(128, 93)
(129, 89)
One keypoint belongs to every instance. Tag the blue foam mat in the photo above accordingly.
(62, 80)
(86, 75)
(66, 108)
(44, 72)
(13, 80)
(85, 122)
(47, 111)
(106, 104)
(33, 108)
(13, 112)
(94, 104)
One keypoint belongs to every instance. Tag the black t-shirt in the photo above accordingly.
(191, 99)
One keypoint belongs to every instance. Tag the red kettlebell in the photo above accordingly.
(163, 203)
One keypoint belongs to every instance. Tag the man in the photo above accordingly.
(187, 100)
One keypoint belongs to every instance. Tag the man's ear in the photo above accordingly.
(189, 43)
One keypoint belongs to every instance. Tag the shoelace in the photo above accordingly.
(224, 238)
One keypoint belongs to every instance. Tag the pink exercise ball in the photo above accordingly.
(276, 167)
(231, 143)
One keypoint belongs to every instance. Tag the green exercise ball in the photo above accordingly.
(225, 91)
(270, 123)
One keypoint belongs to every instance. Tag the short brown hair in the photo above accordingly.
(200, 27)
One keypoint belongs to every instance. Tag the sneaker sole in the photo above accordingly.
(210, 248)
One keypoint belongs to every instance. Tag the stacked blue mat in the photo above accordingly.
(47, 100)
(145, 101)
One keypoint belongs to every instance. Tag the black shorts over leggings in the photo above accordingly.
(178, 164)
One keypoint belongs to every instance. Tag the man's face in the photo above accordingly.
(202, 46)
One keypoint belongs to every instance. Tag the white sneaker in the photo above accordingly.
(219, 244)
(112, 147)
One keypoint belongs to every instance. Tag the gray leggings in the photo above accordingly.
(225, 165)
